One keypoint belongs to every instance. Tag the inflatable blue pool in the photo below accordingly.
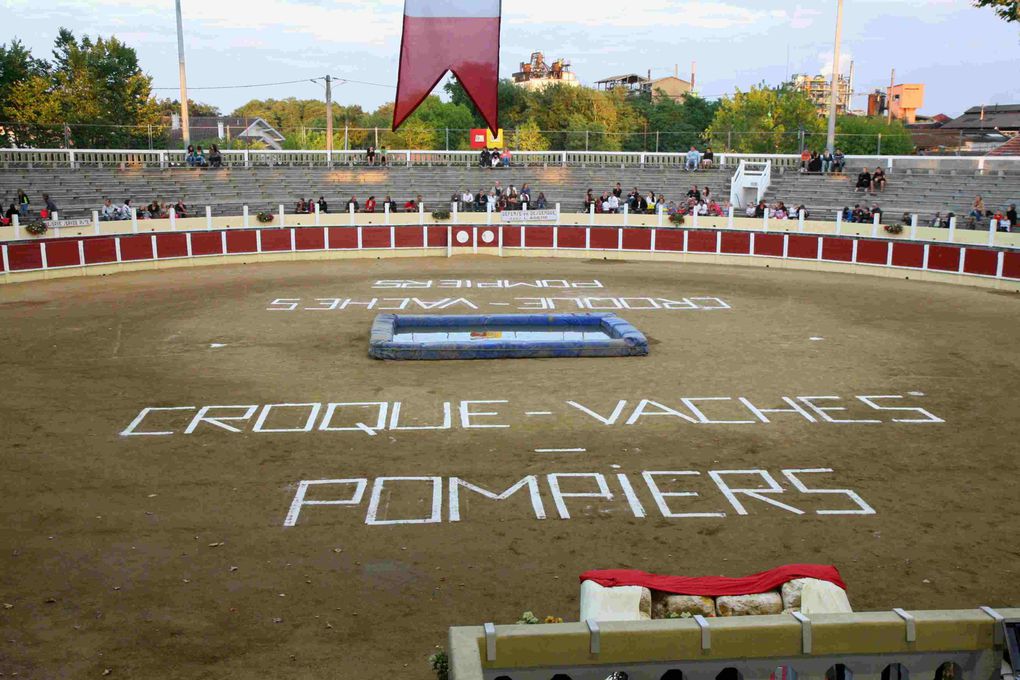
(504, 336)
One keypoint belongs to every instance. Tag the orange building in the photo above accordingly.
(904, 101)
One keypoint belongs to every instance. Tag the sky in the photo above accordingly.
(965, 56)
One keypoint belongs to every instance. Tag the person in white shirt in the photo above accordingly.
(467, 200)
(109, 212)
(614, 204)
(750, 210)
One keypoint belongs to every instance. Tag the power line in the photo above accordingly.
(239, 87)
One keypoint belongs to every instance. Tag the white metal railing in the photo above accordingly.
(751, 175)
(125, 158)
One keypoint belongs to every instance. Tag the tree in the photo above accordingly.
(528, 137)
(93, 95)
(859, 135)
(168, 107)
(765, 120)
(17, 65)
(1007, 9)
(414, 134)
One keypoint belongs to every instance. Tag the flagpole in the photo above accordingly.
(185, 122)
(834, 96)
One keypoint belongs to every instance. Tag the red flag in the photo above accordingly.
(450, 35)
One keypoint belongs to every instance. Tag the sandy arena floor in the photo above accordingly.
(167, 555)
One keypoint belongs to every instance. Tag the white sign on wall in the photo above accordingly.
(515, 216)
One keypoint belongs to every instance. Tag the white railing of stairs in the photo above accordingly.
(750, 182)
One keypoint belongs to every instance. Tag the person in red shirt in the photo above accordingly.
(370, 204)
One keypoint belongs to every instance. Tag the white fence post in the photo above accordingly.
(421, 210)
(952, 229)
(386, 211)
(488, 213)
(134, 220)
(173, 220)
(729, 218)
(591, 215)
(913, 227)
(800, 221)
(350, 214)
(874, 225)
(95, 221)
(839, 222)
(626, 215)
(283, 216)
(317, 215)
(993, 226)
(16, 221)
(455, 209)
(694, 215)
(56, 216)
(244, 221)
(765, 221)
(558, 214)
(659, 209)
(208, 217)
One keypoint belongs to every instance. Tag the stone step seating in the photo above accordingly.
(78, 192)
(923, 194)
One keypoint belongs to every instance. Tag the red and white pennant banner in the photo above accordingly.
(450, 35)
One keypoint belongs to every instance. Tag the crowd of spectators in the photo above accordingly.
(824, 163)
(156, 210)
(22, 207)
(197, 158)
(495, 158)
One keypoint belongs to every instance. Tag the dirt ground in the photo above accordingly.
(166, 556)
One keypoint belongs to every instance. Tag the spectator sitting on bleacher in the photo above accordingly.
(761, 209)
(152, 210)
(323, 206)
(467, 201)
(370, 204)
(526, 193)
(878, 180)
(215, 157)
(801, 209)
(694, 193)
(107, 213)
(390, 202)
(693, 160)
(838, 161)
(481, 200)
(410, 206)
(125, 210)
(1011, 217)
(495, 159)
(200, 159)
(353, 203)
(540, 202)
(382, 156)
(180, 209)
(805, 158)
(11, 212)
(190, 158)
(302, 207)
(863, 181)
(978, 208)
(505, 158)
(484, 160)
(815, 164)
(936, 222)
(708, 159)
(370, 155)
(827, 161)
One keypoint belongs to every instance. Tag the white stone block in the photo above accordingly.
(626, 603)
(763, 604)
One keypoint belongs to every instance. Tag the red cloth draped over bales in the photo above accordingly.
(715, 586)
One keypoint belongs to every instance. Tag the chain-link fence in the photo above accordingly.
(254, 134)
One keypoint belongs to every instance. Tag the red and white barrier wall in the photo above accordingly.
(962, 263)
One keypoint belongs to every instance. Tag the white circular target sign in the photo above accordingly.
(488, 237)
(462, 237)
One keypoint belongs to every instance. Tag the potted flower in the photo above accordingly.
(36, 228)
(265, 217)
(441, 214)
(894, 228)
(677, 219)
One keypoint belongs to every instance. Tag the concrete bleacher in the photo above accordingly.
(920, 193)
(77, 192)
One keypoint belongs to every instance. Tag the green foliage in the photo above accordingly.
(858, 135)
(440, 664)
(17, 65)
(528, 137)
(95, 88)
(441, 214)
(1007, 9)
(765, 120)
(168, 107)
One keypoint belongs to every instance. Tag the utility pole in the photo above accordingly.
(888, 99)
(831, 142)
(329, 119)
(185, 122)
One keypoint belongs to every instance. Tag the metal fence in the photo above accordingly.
(128, 158)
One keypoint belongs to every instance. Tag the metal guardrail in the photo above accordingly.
(125, 159)
(921, 645)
